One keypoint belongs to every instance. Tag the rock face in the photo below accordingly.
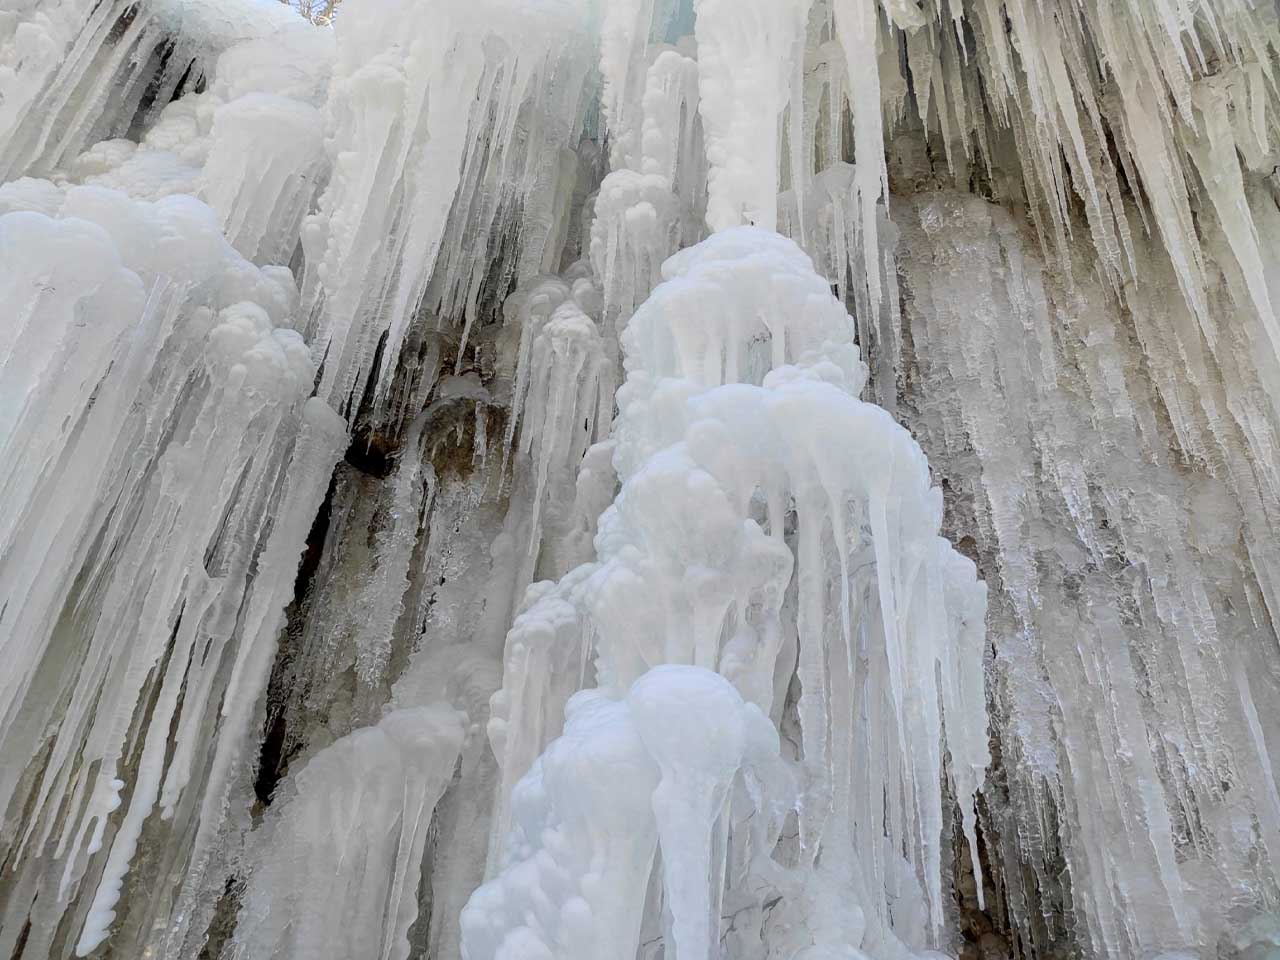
(463, 480)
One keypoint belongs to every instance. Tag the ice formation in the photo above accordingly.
(463, 480)
(741, 367)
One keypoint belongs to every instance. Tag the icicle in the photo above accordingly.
(856, 26)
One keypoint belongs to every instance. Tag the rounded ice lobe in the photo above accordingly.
(240, 327)
(690, 719)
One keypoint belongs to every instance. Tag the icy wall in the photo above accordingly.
(463, 481)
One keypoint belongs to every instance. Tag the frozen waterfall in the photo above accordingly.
(640, 480)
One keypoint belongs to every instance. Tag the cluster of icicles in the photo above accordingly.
(164, 463)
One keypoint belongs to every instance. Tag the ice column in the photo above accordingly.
(641, 216)
(746, 56)
(768, 524)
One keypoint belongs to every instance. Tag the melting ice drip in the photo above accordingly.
(768, 522)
